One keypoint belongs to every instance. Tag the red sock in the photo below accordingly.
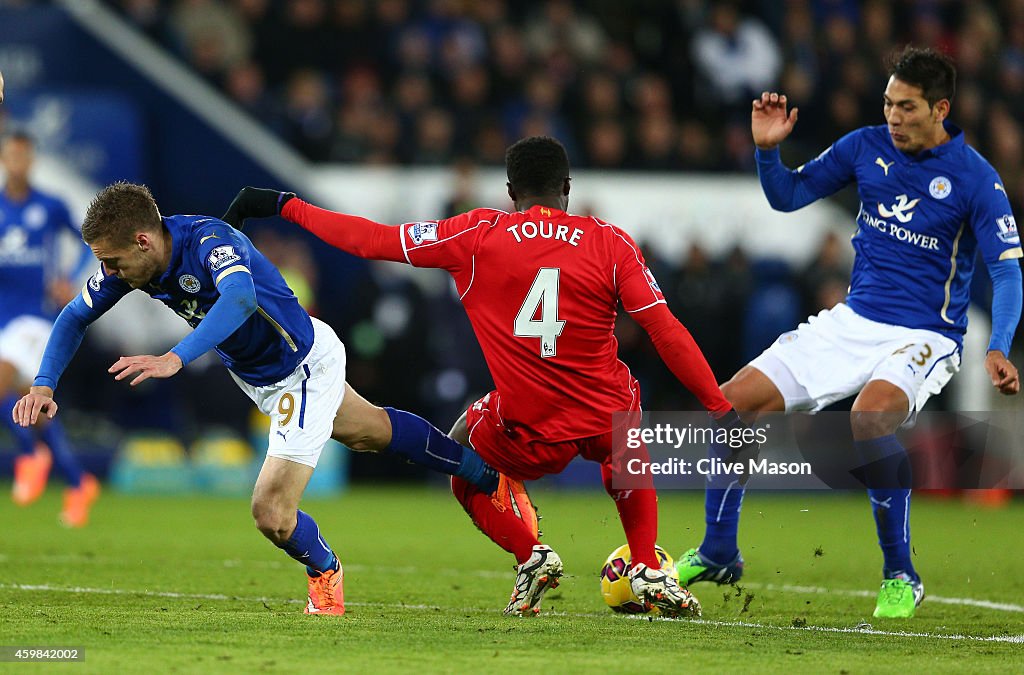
(504, 528)
(638, 511)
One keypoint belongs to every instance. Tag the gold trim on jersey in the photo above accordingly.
(88, 296)
(952, 273)
(283, 333)
(230, 270)
(1011, 254)
(209, 236)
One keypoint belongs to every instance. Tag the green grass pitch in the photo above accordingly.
(187, 584)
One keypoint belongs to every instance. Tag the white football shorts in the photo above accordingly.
(302, 407)
(22, 342)
(837, 352)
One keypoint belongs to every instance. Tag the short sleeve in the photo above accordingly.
(448, 243)
(993, 223)
(635, 285)
(221, 251)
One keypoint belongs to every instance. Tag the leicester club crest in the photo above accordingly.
(188, 283)
(940, 187)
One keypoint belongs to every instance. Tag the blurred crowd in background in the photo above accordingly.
(643, 85)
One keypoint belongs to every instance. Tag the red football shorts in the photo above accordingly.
(519, 452)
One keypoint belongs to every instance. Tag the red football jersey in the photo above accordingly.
(541, 288)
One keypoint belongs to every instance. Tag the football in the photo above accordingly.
(615, 588)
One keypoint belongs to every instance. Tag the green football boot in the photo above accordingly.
(899, 597)
(693, 567)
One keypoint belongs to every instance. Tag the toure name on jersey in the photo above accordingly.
(898, 232)
(545, 230)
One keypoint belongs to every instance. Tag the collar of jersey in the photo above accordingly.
(537, 207)
(954, 144)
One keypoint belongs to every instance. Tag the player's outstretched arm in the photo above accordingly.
(770, 124)
(353, 234)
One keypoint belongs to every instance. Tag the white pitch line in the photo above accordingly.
(789, 588)
(1012, 639)
(495, 574)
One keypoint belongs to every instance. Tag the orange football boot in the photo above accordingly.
(30, 475)
(78, 501)
(326, 595)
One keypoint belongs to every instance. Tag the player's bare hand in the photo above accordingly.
(769, 121)
(145, 367)
(37, 400)
(1003, 373)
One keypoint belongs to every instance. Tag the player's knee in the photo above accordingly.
(751, 391)
(360, 441)
(740, 395)
(872, 424)
(370, 432)
(275, 524)
(460, 431)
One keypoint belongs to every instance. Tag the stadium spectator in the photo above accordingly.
(212, 35)
(736, 56)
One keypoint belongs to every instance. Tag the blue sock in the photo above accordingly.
(308, 547)
(53, 435)
(888, 480)
(422, 443)
(723, 499)
(23, 436)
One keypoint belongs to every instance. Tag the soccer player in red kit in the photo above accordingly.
(541, 288)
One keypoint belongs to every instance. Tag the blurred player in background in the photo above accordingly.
(31, 226)
(929, 202)
(541, 288)
(291, 365)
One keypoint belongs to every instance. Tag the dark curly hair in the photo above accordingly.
(931, 71)
(118, 211)
(537, 166)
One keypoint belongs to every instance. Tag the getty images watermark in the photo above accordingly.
(689, 450)
(741, 458)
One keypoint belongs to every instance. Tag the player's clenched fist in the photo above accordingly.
(37, 400)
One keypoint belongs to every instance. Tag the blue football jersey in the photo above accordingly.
(29, 254)
(921, 222)
(270, 344)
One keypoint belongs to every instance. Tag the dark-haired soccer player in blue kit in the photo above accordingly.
(291, 365)
(32, 224)
(929, 203)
